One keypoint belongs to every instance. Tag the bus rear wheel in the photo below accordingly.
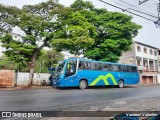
(120, 84)
(82, 84)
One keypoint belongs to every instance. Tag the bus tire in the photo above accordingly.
(120, 83)
(82, 84)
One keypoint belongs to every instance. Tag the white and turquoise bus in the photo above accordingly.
(76, 72)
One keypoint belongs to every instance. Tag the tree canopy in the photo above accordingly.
(80, 29)
(103, 35)
(47, 59)
(39, 26)
(52, 57)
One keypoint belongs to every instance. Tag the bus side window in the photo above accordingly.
(126, 69)
(87, 65)
(71, 68)
(84, 65)
(117, 68)
(133, 69)
(129, 69)
(81, 65)
(94, 66)
(105, 67)
(109, 67)
(99, 66)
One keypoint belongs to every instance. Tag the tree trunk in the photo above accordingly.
(31, 68)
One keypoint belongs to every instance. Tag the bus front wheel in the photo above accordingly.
(120, 84)
(82, 84)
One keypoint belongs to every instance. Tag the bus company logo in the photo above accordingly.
(127, 75)
(104, 78)
(6, 114)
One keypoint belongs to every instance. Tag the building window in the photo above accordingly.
(155, 53)
(138, 63)
(145, 50)
(138, 48)
(151, 52)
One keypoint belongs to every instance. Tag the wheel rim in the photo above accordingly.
(83, 85)
(120, 84)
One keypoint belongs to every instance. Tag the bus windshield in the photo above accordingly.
(59, 69)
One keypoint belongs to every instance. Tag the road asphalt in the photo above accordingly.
(130, 98)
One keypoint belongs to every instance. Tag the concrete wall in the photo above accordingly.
(129, 56)
(1, 49)
(158, 78)
(23, 78)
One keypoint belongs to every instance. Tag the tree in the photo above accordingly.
(5, 63)
(109, 33)
(51, 57)
(75, 31)
(39, 27)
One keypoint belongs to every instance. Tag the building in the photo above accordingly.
(159, 66)
(146, 58)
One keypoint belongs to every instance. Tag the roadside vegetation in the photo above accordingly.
(79, 29)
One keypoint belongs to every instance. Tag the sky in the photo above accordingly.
(149, 34)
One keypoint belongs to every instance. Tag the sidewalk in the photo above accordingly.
(25, 87)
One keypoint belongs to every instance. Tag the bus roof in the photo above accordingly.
(83, 59)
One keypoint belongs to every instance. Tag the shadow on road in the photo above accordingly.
(93, 87)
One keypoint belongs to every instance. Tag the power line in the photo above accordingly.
(141, 12)
(141, 2)
(134, 10)
(135, 6)
(126, 11)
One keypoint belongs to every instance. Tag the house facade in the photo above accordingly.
(159, 65)
(146, 58)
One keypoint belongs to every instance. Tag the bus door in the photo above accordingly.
(70, 73)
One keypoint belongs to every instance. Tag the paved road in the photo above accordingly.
(72, 98)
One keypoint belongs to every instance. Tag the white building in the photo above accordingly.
(146, 58)
(159, 66)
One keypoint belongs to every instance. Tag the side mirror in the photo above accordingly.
(51, 70)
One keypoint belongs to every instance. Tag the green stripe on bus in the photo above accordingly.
(104, 78)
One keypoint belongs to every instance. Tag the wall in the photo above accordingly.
(158, 78)
(7, 78)
(129, 56)
(1, 49)
(23, 78)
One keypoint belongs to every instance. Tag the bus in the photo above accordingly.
(82, 73)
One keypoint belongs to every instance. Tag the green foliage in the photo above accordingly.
(75, 34)
(18, 51)
(105, 34)
(47, 59)
(39, 26)
(6, 63)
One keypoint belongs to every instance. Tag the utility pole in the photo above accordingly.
(141, 2)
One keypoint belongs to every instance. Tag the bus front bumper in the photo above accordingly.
(56, 82)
